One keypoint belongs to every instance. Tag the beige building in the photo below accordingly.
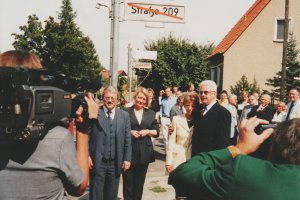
(254, 45)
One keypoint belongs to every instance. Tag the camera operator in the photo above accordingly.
(232, 174)
(42, 168)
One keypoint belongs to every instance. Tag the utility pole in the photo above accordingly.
(129, 71)
(284, 52)
(114, 40)
(114, 50)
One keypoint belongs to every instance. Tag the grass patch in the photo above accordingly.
(158, 189)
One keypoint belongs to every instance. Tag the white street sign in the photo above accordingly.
(143, 65)
(147, 55)
(154, 12)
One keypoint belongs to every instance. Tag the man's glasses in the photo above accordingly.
(108, 98)
(204, 92)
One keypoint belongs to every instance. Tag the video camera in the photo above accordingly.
(33, 101)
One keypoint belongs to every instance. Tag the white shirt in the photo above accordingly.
(208, 107)
(112, 114)
(233, 113)
(139, 114)
(279, 117)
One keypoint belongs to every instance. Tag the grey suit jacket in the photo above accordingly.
(123, 139)
(175, 110)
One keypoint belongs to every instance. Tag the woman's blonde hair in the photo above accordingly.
(141, 90)
(281, 103)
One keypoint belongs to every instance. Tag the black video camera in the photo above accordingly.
(266, 126)
(33, 101)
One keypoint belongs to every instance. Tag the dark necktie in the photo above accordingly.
(290, 110)
(202, 111)
(109, 115)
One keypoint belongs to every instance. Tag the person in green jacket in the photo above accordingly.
(231, 174)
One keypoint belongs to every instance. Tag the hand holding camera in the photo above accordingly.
(248, 140)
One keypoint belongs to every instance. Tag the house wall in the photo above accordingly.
(254, 53)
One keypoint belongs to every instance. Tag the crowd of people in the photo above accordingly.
(192, 123)
(216, 148)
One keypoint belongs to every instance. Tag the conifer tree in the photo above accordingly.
(244, 85)
(292, 70)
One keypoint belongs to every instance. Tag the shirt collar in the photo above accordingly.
(213, 102)
(113, 111)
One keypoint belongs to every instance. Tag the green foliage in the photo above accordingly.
(61, 46)
(122, 90)
(179, 61)
(158, 189)
(292, 70)
(33, 38)
(244, 85)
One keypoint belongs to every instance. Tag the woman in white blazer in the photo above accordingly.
(280, 114)
(180, 140)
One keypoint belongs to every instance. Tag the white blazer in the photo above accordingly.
(180, 142)
(295, 113)
(279, 117)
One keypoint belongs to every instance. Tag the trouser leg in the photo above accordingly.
(128, 184)
(111, 185)
(97, 181)
(140, 172)
(165, 122)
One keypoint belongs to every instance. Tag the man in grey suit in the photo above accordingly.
(110, 148)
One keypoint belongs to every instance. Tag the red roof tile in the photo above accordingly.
(122, 73)
(240, 27)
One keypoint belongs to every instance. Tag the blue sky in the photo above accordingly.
(205, 21)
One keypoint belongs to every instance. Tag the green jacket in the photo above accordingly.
(215, 175)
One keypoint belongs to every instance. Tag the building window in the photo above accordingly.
(279, 29)
(215, 74)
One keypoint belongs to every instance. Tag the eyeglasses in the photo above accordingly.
(107, 98)
(204, 92)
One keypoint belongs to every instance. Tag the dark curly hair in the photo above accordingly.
(286, 143)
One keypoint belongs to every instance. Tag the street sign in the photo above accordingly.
(147, 55)
(143, 65)
(144, 11)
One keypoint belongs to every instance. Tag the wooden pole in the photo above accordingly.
(284, 52)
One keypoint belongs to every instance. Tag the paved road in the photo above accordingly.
(156, 187)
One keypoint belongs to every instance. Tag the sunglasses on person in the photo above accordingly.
(204, 92)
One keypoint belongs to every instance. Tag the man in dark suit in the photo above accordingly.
(230, 174)
(110, 148)
(262, 111)
(212, 121)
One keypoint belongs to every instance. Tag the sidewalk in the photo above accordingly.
(156, 185)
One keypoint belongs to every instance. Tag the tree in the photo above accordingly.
(244, 85)
(179, 61)
(32, 39)
(122, 90)
(292, 70)
(61, 45)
